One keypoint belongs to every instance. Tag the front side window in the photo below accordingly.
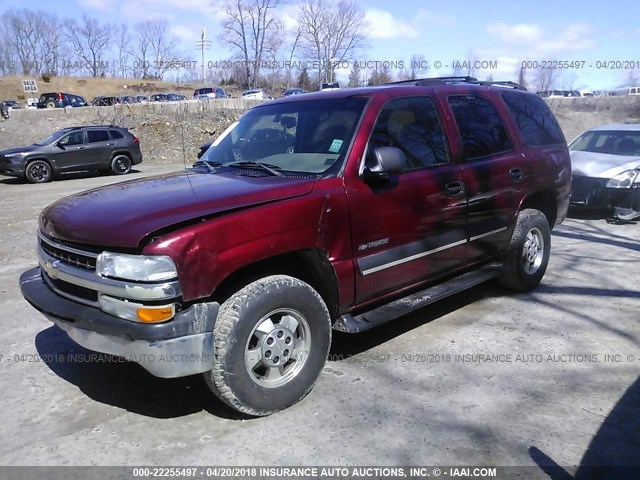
(413, 125)
(481, 129)
(309, 137)
(534, 119)
(75, 138)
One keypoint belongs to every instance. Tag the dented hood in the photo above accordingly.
(121, 215)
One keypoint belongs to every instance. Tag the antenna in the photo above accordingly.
(203, 44)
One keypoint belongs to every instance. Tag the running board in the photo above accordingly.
(350, 324)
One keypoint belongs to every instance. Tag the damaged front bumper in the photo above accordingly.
(180, 347)
(593, 193)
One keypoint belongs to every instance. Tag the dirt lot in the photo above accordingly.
(418, 391)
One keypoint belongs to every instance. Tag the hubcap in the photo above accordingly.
(39, 172)
(121, 165)
(533, 251)
(278, 348)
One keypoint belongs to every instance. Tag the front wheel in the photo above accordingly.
(38, 171)
(272, 338)
(529, 251)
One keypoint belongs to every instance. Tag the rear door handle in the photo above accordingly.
(454, 189)
(516, 174)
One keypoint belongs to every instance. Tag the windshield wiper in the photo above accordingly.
(210, 165)
(251, 164)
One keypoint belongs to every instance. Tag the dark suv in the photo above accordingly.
(103, 148)
(60, 100)
(343, 209)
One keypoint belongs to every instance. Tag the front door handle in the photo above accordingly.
(81, 148)
(516, 174)
(454, 189)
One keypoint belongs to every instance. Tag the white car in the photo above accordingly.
(605, 163)
(255, 94)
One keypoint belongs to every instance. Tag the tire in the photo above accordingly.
(50, 104)
(277, 320)
(529, 251)
(121, 165)
(38, 171)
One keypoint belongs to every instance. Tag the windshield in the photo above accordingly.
(51, 138)
(310, 137)
(612, 142)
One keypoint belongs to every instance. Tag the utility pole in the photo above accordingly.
(203, 45)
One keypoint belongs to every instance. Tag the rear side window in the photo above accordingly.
(97, 136)
(115, 134)
(534, 119)
(481, 129)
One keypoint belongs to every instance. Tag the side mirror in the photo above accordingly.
(59, 145)
(383, 162)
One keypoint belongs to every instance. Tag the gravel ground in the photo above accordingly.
(418, 391)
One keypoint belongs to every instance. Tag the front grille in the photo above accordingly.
(70, 258)
(74, 290)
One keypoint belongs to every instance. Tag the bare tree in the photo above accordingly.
(522, 76)
(419, 66)
(123, 42)
(545, 79)
(380, 75)
(251, 28)
(90, 42)
(24, 29)
(331, 32)
(354, 75)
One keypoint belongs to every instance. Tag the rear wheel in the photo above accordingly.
(121, 165)
(38, 171)
(529, 251)
(272, 338)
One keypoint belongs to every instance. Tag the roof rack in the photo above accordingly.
(423, 82)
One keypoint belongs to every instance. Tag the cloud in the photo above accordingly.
(384, 26)
(576, 36)
(518, 33)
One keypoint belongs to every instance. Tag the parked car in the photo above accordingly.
(142, 99)
(293, 91)
(105, 101)
(606, 170)
(159, 97)
(56, 100)
(77, 101)
(101, 148)
(329, 86)
(210, 92)
(254, 94)
(343, 210)
(174, 97)
(203, 148)
(12, 104)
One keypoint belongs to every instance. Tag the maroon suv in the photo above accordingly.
(342, 209)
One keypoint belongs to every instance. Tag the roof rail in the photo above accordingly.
(423, 82)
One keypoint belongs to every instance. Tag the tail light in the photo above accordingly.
(135, 139)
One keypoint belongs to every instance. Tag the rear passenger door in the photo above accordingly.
(494, 173)
(412, 227)
(99, 148)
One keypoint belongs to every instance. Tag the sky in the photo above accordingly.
(598, 41)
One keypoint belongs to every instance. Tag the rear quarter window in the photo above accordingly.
(115, 134)
(535, 121)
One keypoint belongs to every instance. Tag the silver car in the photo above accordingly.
(605, 162)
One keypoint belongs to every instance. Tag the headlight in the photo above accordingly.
(17, 154)
(627, 179)
(136, 267)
